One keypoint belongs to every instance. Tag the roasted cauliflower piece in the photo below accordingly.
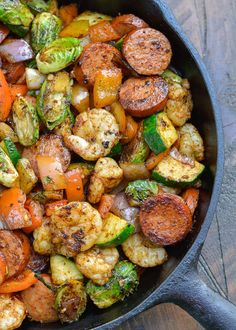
(97, 264)
(75, 227)
(107, 175)
(95, 134)
(43, 238)
(12, 312)
(191, 143)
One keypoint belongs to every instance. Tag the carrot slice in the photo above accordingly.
(191, 197)
(51, 173)
(165, 219)
(153, 159)
(19, 283)
(68, 13)
(18, 90)
(5, 98)
(36, 214)
(105, 204)
(74, 185)
(12, 209)
(103, 32)
(51, 207)
(3, 268)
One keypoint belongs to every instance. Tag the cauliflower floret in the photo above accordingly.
(107, 175)
(95, 134)
(179, 105)
(97, 264)
(43, 238)
(191, 143)
(12, 312)
(75, 227)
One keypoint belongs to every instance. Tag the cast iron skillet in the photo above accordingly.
(177, 281)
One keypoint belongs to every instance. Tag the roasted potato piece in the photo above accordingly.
(27, 176)
(191, 143)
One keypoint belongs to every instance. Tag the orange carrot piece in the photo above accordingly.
(18, 90)
(14, 72)
(191, 197)
(51, 173)
(3, 268)
(153, 160)
(103, 32)
(74, 185)
(19, 283)
(105, 204)
(68, 13)
(5, 98)
(36, 214)
(50, 208)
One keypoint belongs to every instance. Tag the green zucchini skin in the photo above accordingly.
(155, 129)
(11, 150)
(115, 231)
(163, 173)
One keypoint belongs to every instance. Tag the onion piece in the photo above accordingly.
(16, 50)
(121, 208)
(135, 171)
(34, 79)
(174, 153)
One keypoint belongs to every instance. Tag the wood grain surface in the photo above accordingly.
(211, 26)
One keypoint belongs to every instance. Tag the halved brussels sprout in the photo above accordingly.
(53, 101)
(92, 17)
(27, 176)
(26, 121)
(8, 174)
(137, 191)
(7, 131)
(45, 29)
(58, 55)
(16, 16)
(38, 6)
(123, 282)
(71, 301)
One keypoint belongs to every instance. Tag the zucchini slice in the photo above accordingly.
(174, 173)
(114, 232)
(63, 270)
(10, 149)
(159, 132)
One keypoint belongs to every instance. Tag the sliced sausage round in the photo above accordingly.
(97, 57)
(123, 24)
(147, 51)
(15, 247)
(39, 302)
(48, 145)
(142, 97)
(165, 219)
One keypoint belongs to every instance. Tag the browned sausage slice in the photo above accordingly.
(16, 249)
(147, 51)
(39, 302)
(123, 24)
(165, 219)
(96, 57)
(48, 145)
(142, 97)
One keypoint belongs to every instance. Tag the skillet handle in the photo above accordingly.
(211, 310)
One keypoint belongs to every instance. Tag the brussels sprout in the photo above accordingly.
(8, 174)
(53, 101)
(53, 7)
(38, 6)
(16, 16)
(137, 191)
(123, 282)
(27, 176)
(58, 55)
(26, 121)
(7, 131)
(71, 300)
(137, 150)
(92, 17)
(171, 77)
(45, 29)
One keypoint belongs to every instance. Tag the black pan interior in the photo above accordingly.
(203, 118)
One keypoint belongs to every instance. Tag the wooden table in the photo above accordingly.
(211, 26)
